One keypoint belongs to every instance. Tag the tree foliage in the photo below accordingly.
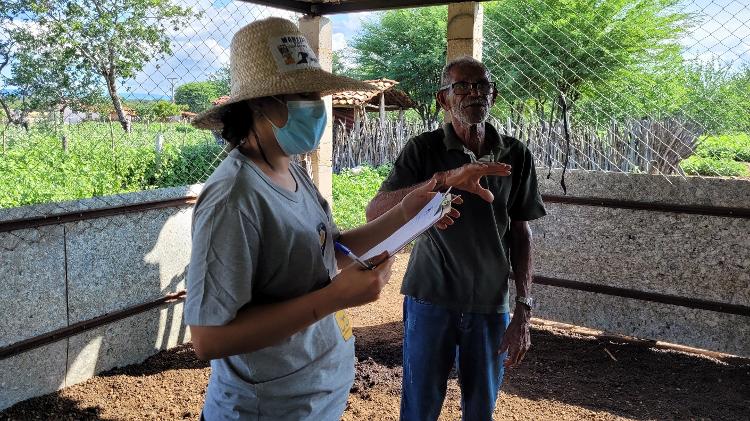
(160, 110)
(10, 10)
(222, 80)
(338, 66)
(94, 42)
(409, 46)
(198, 95)
(45, 76)
(540, 48)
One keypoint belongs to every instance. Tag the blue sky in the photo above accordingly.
(202, 47)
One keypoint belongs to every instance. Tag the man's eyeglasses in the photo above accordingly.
(464, 88)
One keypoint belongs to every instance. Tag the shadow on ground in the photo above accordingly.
(622, 379)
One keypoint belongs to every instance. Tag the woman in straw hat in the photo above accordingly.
(264, 298)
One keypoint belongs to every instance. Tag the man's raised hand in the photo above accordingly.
(467, 177)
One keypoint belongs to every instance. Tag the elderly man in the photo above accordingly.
(456, 306)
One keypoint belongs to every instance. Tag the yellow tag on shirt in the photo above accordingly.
(345, 326)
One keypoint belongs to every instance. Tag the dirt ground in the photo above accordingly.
(565, 376)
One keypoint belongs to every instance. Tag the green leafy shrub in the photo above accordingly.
(185, 129)
(384, 170)
(699, 165)
(36, 169)
(732, 146)
(352, 190)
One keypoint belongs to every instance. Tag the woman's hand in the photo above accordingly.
(356, 286)
(467, 177)
(413, 202)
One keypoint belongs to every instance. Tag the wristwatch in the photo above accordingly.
(527, 301)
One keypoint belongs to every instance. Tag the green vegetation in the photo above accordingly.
(101, 160)
(68, 51)
(352, 190)
(159, 110)
(727, 155)
(409, 46)
(36, 168)
(542, 48)
(735, 147)
(198, 95)
(696, 165)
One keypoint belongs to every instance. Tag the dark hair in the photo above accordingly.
(238, 122)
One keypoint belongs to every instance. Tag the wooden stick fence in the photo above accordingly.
(655, 147)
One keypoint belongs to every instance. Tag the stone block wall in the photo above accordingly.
(687, 255)
(55, 276)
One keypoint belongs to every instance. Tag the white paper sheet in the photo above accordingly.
(427, 217)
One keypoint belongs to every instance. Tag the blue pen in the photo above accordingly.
(344, 249)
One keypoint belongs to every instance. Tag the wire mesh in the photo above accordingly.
(655, 86)
(647, 85)
(97, 99)
(651, 86)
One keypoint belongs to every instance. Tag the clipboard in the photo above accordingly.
(435, 209)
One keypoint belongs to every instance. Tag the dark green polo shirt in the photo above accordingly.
(466, 267)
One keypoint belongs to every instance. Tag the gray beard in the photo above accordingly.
(463, 118)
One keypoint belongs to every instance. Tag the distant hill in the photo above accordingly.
(137, 96)
(142, 96)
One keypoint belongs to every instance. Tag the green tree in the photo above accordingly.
(10, 10)
(159, 110)
(543, 50)
(46, 78)
(711, 97)
(407, 45)
(198, 95)
(222, 80)
(718, 98)
(338, 67)
(654, 92)
(99, 40)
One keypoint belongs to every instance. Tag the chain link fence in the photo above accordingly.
(97, 97)
(117, 122)
(652, 86)
(644, 86)
(97, 100)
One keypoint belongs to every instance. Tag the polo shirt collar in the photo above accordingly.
(452, 142)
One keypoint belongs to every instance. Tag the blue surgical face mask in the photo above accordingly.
(304, 126)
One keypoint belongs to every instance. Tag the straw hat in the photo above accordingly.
(272, 57)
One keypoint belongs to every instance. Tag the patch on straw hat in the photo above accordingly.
(272, 57)
(292, 52)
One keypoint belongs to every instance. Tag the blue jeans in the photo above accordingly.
(435, 338)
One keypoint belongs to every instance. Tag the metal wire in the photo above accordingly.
(61, 152)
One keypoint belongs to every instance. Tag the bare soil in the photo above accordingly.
(565, 376)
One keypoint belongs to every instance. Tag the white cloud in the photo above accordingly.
(353, 21)
(339, 41)
(201, 47)
(722, 34)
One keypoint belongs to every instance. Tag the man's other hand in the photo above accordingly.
(517, 339)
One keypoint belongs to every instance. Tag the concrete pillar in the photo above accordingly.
(318, 31)
(465, 21)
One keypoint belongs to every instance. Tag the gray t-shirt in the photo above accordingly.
(257, 243)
